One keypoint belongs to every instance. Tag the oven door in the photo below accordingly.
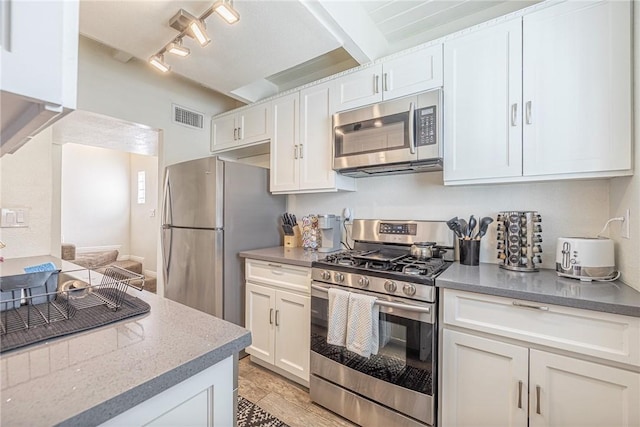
(401, 375)
(375, 135)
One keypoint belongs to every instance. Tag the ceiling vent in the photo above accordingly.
(189, 118)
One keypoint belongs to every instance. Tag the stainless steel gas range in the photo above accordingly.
(397, 385)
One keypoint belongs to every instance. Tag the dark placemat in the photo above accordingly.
(82, 320)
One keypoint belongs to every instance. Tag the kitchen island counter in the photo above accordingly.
(544, 286)
(89, 377)
(281, 254)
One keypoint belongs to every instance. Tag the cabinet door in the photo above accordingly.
(484, 382)
(254, 124)
(412, 73)
(566, 392)
(482, 103)
(315, 153)
(293, 320)
(577, 88)
(259, 319)
(284, 144)
(224, 132)
(359, 88)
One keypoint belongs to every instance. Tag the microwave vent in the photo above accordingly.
(187, 117)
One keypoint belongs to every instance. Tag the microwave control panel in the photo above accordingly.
(426, 126)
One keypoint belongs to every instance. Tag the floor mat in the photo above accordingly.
(250, 415)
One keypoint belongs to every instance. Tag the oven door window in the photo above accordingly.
(405, 356)
(372, 136)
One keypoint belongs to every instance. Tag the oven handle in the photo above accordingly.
(407, 307)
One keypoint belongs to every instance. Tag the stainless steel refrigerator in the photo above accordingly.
(213, 209)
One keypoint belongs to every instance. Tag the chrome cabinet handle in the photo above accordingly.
(295, 151)
(528, 112)
(519, 394)
(277, 318)
(240, 135)
(376, 79)
(235, 134)
(412, 138)
(385, 86)
(514, 114)
(271, 316)
(275, 265)
(535, 307)
(301, 151)
(538, 400)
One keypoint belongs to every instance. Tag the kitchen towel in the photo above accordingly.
(338, 306)
(362, 325)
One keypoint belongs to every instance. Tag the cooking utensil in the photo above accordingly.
(454, 226)
(472, 225)
(482, 228)
(464, 227)
(423, 250)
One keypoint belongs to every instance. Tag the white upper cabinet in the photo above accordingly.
(243, 127)
(301, 154)
(39, 57)
(482, 99)
(564, 113)
(404, 75)
(577, 88)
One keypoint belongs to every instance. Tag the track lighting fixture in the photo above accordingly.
(158, 62)
(225, 9)
(188, 25)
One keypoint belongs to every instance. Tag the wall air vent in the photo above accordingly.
(186, 117)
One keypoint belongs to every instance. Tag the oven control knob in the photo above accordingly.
(390, 286)
(409, 289)
(363, 282)
(325, 275)
(339, 277)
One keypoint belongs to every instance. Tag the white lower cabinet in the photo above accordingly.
(493, 380)
(279, 319)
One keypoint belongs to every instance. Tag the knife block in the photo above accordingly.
(294, 241)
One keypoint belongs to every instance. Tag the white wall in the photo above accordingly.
(145, 217)
(96, 197)
(26, 181)
(133, 91)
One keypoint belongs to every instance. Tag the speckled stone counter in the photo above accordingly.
(544, 286)
(293, 256)
(89, 377)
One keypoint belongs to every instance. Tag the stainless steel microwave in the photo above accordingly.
(392, 137)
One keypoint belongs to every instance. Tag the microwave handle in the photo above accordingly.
(412, 139)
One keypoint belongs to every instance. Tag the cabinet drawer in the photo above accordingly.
(284, 276)
(604, 335)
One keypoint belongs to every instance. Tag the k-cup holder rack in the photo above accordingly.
(519, 237)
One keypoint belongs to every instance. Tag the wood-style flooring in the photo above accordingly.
(283, 398)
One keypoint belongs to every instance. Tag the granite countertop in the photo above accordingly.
(544, 286)
(294, 256)
(89, 377)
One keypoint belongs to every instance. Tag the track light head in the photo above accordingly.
(158, 62)
(176, 48)
(198, 32)
(225, 9)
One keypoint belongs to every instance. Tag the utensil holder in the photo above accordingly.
(518, 235)
(293, 241)
(469, 251)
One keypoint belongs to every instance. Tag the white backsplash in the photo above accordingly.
(568, 208)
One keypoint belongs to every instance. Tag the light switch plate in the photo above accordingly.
(16, 217)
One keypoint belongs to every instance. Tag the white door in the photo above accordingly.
(254, 123)
(315, 153)
(577, 88)
(285, 150)
(260, 320)
(412, 73)
(566, 392)
(292, 333)
(224, 132)
(360, 88)
(482, 103)
(484, 382)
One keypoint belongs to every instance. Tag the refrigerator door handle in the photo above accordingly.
(167, 216)
(166, 225)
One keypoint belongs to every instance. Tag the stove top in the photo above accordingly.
(377, 261)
